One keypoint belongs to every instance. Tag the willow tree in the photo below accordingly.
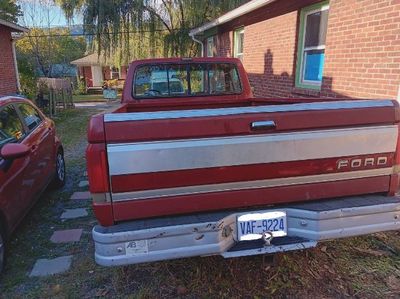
(131, 29)
(10, 10)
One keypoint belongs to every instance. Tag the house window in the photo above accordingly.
(114, 73)
(238, 43)
(210, 46)
(311, 45)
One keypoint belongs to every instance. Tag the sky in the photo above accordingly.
(44, 13)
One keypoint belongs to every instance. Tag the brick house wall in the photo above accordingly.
(269, 50)
(363, 48)
(224, 44)
(362, 56)
(8, 80)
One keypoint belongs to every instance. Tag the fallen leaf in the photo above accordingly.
(101, 293)
(181, 290)
(393, 283)
(56, 288)
(374, 252)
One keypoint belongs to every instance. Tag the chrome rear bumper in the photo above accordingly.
(215, 233)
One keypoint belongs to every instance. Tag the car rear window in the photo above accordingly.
(193, 79)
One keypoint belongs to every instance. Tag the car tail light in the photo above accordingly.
(96, 129)
(97, 168)
(394, 180)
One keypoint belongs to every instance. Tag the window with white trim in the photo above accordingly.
(210, 46)
(311, 45)
(114, 73)
(238, 40)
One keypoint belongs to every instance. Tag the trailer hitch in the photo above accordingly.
(267, 237)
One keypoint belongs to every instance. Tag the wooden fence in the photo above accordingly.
(58, 92)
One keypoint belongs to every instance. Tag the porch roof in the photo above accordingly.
(91, 59)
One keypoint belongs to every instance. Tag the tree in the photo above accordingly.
(131, 29)
(70, 6)
(40, 50)
(44, 48)
(10, 11)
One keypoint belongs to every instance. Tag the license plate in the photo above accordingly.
(252, 226)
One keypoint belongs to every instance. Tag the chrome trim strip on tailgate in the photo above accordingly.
(174, 114)
(170, 155)
(147, 194)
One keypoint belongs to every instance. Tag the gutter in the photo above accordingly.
(16, 66)
(233, 14)
(15, 27)
(199, 42)
(13, 41)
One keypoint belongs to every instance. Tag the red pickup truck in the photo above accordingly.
(191, 164)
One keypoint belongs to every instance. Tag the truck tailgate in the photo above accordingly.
(174, 162)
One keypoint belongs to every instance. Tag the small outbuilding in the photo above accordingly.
(94, 71)
(9, 78)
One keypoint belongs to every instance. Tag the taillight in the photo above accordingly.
(395, 177)
(397, 121)
(95, 132)
(97, 168)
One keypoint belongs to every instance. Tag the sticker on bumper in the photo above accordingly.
(136, 247)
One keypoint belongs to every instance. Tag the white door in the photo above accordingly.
(97, 75)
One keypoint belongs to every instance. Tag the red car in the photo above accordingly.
(31, 157)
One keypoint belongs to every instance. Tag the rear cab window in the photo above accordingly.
(185, 80)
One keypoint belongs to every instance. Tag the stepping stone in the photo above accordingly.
(81, 195)
(66, 236)
(45, 267)
(74, 213)
(83, 184)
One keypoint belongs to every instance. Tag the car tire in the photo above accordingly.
(60, 175)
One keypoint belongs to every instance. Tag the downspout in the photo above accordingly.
(13, 40)
(199, 42)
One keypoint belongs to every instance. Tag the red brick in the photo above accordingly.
(361, 58)
(8, 82)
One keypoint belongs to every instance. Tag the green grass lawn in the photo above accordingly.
(88, 98)
(71, 125)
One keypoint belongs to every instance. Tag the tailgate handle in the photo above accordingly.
(263, 124)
